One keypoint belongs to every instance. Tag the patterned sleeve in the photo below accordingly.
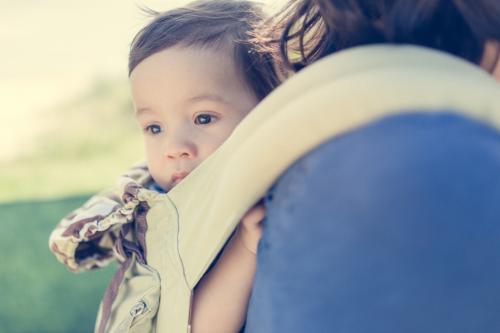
(85, 238)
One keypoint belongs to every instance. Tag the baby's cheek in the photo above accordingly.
(214, 143)
(157, 171)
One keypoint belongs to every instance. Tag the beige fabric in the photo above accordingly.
(189, 225)
(136, 304)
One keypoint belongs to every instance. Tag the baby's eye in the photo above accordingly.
(204, 119)
(153, 129)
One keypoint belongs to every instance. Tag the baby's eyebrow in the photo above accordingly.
(209, 97)
(140, 111)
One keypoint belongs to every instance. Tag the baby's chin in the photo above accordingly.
(166, 185)
(162, 185)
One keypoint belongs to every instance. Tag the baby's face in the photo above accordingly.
(188, 100)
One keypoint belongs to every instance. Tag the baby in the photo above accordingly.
(194, 76)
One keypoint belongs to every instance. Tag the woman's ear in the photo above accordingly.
(491, 58)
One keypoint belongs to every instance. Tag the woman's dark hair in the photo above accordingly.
(306, 30)
(211, 23)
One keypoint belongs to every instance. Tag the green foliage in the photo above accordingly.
(84, 146)
(38, 293)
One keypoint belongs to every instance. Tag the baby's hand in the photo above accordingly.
(250, 227)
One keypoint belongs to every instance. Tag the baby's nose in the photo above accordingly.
(180, 149)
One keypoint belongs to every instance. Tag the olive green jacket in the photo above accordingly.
(187, 227)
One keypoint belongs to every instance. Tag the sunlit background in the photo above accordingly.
(66, 131)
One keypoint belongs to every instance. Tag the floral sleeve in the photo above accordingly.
(85, 238)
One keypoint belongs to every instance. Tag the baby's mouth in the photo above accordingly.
(178, 176)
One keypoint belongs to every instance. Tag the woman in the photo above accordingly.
(392, 224)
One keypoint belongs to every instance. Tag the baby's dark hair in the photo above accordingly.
(211, 23)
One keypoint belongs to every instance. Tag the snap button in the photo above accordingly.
(138, 308)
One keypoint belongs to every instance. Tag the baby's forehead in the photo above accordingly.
(191, 73)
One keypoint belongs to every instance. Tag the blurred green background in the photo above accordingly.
(38, 293)
(90, 140)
